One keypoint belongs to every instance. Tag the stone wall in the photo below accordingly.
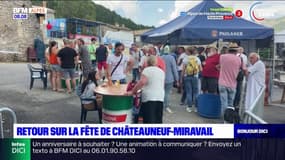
(16, 35)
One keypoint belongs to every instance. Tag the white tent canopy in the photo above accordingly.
(127, 38)
(280, 37)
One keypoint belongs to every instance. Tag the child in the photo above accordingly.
(136, 102)
(87, 91)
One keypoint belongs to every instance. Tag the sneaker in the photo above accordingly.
(195, 110)
(188, 109)
(168, 110)
(182, 104)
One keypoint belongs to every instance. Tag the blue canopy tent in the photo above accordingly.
(199, 29)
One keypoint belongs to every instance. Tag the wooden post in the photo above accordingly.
(44, 22)
(267, 83)
(44, 4)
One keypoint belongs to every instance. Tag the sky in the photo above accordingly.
(156, 13)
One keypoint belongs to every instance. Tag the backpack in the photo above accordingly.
(192, 67)
(231, 115)
(240, 75)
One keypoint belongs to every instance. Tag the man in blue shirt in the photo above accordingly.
(171, 76)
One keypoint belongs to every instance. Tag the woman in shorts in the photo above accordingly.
(55, 67)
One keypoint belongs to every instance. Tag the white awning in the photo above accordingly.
(279, 37)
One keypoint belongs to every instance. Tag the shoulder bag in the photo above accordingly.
(117, 65)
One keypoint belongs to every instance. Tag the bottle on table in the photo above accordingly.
(117, 83)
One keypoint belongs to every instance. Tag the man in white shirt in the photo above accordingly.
(136, 55)
(256, 79)
(144, 55)
(243, 58)
(118, 65)
(182, 55)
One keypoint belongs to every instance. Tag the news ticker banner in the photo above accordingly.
(148, 131)
(141, 149)
(139, 141)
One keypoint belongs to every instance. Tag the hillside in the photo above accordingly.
(278, 24)
(88, 10)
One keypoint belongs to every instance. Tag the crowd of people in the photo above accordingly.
(157, 69)
(193, 71)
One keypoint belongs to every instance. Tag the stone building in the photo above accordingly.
(16, 35)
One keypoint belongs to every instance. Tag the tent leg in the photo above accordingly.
(273, 72)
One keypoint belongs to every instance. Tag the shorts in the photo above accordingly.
(101, 65)
(93, 62)
(55, 67)
(210, 84)
(68, 73)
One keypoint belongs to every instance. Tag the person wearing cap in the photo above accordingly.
(92, 49)
(210, 73)
(171, 77)
(229, 68)
(167, 49)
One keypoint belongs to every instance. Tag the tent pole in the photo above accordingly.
(273, 71)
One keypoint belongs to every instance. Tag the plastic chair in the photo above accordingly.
(87, 107)
(209, 105)
(37, 73)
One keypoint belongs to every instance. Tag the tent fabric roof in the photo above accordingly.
(189, 28)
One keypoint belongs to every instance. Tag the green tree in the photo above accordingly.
(90, 11)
